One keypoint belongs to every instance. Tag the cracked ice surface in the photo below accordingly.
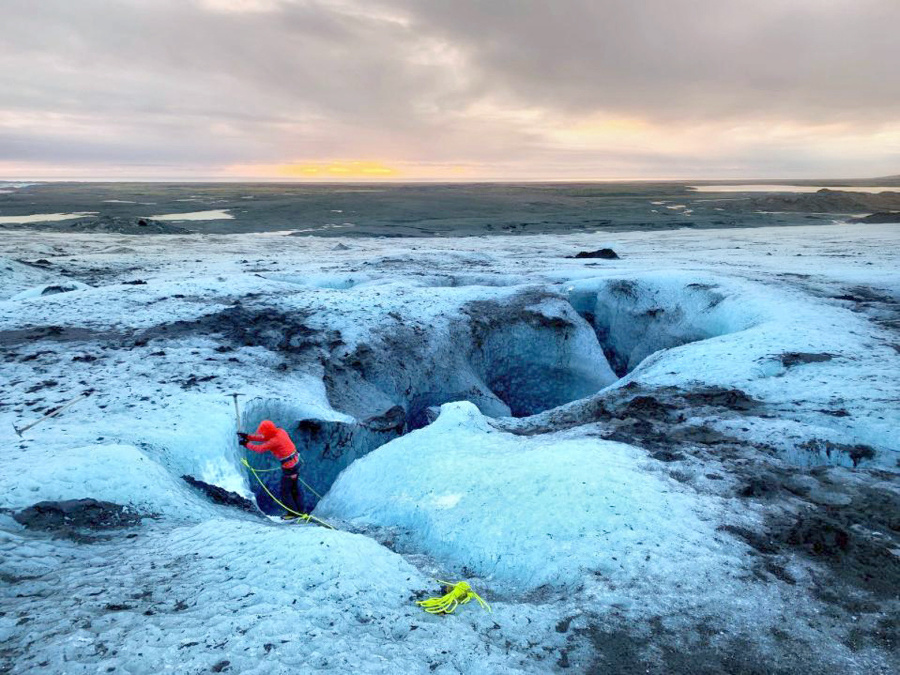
(595, 529)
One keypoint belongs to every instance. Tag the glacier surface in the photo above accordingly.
(684, 460)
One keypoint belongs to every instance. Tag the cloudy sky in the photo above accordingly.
(449, 89)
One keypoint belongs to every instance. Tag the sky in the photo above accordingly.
(449, 89)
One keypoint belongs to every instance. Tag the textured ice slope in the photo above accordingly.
(252, 597)
(526, 512)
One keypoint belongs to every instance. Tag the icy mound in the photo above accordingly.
(124, 225)
(50, 289)
(337, 282)
(120, 474)
(526, 511)
(17, 278)
(468, 279)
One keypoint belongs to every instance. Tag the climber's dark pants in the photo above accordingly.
(290, 491)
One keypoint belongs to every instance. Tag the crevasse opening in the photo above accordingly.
(634, 318)
(524, 357)
(326, 447)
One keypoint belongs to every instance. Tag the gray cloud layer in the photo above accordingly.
(809, 59)
(208, 83)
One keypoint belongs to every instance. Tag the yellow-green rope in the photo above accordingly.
(459, 594)
(303, 516)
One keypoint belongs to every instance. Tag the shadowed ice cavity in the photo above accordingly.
(327, 444)
(517, 356)
(633, 318)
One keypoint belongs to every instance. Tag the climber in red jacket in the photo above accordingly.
(269, 438)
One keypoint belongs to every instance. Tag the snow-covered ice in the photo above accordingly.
(683, 460)
(212, 214)
(786, 188)
(44, 217)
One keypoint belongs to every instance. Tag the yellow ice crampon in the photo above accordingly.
(305, 517)
(459, 594)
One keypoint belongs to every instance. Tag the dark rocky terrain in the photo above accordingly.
(416, 210)
(879, 217)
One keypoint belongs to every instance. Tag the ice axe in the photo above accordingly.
(54, 413)
(237, 410)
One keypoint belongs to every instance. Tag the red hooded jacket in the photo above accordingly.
(270, 438)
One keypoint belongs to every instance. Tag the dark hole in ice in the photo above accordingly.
(633, 318)
(520, 355)
(58, 288)
(532, 388)
(326, 447)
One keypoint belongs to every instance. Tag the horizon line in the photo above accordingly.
(457, 181)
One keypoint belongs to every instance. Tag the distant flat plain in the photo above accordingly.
(458, 209)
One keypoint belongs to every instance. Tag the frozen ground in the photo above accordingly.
(436, 210)
(681, 461)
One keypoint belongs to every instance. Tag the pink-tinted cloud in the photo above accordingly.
(450, 88)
